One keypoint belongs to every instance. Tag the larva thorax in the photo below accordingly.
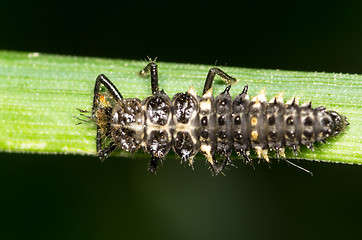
(188, 123)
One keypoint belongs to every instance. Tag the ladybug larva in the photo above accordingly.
(189, 124)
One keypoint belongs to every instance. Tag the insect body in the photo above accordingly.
(212, 125)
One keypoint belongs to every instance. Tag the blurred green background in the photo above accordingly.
(76, 197)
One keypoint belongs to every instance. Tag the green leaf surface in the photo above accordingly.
(39, 93)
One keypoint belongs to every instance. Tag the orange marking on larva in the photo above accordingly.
(103, 101)
(254, 121)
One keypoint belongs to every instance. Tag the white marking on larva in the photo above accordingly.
(280, 101)
(256, 103)
(133, 126)
(206, 150)
(290, 101)
(259, 98)
(264, 153)
(208, 94)
(278, 98)
(158, 127)
(258, 151)
(182, 126)
(205, 105)
(306, 104)
(192, 92)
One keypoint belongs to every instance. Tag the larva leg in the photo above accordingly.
(100, 108)
(151, 68)
(110, 87)
(211, 75)
(153, 164)
(105, 152)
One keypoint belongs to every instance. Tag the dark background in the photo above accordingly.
(74, 197)
(312, 36)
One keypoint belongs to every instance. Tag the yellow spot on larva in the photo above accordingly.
(254, 121)
(254, 135)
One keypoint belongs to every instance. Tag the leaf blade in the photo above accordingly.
(40, 93)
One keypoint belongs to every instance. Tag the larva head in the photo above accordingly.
(339, 122)
(102, 112)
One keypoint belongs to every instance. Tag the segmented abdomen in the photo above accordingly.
(189, 124)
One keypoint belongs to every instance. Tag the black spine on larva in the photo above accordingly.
(275, 124)
(307, 123)
(241, 123)
(322, 124)
(223, 123)
(292, 125)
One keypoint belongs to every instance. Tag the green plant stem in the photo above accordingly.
(41, 92)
